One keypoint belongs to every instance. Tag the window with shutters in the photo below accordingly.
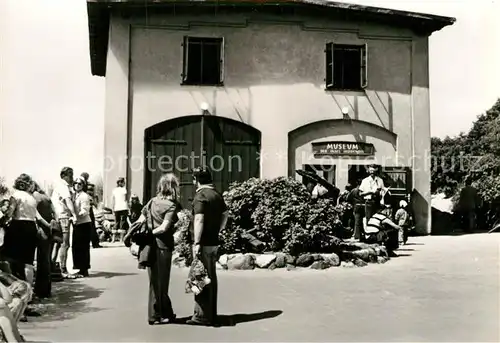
(203, 61)
(346, 66)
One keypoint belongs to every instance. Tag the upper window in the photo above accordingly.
(346, 66)
(203, 61)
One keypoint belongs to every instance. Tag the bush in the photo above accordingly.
(319, 232)
(184, 243)
(281, 214)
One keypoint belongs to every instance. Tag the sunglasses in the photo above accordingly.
(79, 183)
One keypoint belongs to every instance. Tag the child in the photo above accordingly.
(403, 220)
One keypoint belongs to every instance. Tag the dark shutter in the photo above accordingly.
(329, 54)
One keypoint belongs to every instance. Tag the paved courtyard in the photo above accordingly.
(439, 289)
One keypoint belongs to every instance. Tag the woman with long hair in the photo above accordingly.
(82, 232)
(160, 216)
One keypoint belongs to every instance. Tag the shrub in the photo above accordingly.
(281, 214)
(184, 243)
(278, 212)
(283, 204)
(319, 232)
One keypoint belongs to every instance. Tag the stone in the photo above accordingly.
(382, 259)
(280, 261)
(263, 261)
(241, 262)
(383, 251)
(290, 259)
(318, 257)
(219, 266)
(290, 267)
(359, 263)
(223, 260)
(348, 264)
(320, 265)
(367, 254)
(304, 260)
(332, 258)
(352, 246)
(272, 266)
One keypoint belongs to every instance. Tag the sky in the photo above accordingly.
(52, 108)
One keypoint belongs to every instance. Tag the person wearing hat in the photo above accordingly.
(369, 189)
(89, 188)
(119, 205)
(402, 218)
(62, 198)
(209, 218)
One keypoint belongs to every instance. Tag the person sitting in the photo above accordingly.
(380, 229)
(15, 295)
(135, 208)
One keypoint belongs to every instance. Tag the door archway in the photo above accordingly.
(228, 147)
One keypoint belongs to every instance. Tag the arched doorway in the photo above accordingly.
(228, 147)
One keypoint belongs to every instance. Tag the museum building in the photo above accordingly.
(258, 88)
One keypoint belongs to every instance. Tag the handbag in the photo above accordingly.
(139, 233)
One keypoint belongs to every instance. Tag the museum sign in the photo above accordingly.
(343, 149)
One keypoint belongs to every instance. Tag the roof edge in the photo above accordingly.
(99, 18)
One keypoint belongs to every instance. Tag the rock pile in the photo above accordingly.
(350, 255)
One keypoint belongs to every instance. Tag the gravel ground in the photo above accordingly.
(439, 289)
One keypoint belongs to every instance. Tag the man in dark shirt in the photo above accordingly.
(43, 281)
(468, 204)
(89, 188)
(210, 216)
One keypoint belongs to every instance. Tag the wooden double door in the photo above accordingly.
(229, 148)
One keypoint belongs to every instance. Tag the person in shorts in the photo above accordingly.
(62, 199)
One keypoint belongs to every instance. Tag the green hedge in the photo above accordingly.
(280, 213)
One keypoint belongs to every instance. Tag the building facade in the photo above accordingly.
(263, 88)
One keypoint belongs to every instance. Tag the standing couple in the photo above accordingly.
(160, 215)
(73, 206)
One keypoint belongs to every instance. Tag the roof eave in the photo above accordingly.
(99, 19)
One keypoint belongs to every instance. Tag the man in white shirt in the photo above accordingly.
(370, 190)
(62, 198)
(120, 208)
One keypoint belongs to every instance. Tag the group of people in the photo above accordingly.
(371, 214)
(154, 231)
(34, 225)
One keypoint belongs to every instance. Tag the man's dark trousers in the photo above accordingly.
(359, 214)
(94, 236)
(205, 307)
(370, 208)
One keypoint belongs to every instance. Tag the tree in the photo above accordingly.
(475, 155)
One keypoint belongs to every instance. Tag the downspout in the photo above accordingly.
(412, 125)
(129, 111)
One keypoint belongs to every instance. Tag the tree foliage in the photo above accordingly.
(474, 155)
